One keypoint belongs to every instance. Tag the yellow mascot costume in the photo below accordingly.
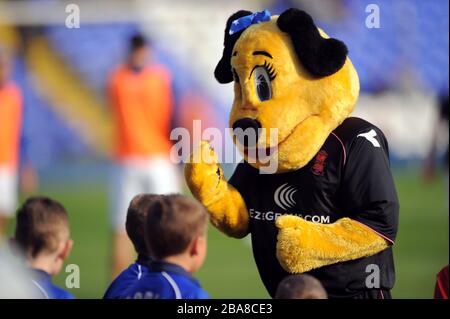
(330, 206)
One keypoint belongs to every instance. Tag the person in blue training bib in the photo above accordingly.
(42, 234)
(135, 222)
(176, 230)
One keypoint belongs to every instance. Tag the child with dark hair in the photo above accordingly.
(135, 227)
(300, 286)
(176, 229)
(42, 234)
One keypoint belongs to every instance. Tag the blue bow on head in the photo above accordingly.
(246, 21)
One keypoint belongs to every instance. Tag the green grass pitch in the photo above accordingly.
(420, 252)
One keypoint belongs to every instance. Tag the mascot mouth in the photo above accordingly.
(259, 153)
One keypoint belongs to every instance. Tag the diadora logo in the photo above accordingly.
(284, 196)
(370, 136)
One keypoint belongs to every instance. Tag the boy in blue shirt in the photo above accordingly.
(42, 234)
(135, 226)
(176, 228)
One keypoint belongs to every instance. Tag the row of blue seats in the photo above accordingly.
(411, 43)
(45, 135)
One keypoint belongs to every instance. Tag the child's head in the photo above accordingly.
(300, 286)
(136, 219)
(176, 231)
(42, 233)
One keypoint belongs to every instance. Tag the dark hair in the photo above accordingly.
(172, 223)
(320, 57)
(41, 223)
(136, 218)
(137, 41)
(300, 286)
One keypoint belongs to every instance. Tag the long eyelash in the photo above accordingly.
(270, 70)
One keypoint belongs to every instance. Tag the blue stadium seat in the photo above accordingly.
(46, 137)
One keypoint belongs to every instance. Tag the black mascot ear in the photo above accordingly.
(223, 72)
(321, 57)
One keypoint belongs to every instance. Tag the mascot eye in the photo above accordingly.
(263, 84)
(264, 75)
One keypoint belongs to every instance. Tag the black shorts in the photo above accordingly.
(374, 294)
(361, 294)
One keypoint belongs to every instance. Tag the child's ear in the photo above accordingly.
(197, 245)
(194, 247)
(65, 252)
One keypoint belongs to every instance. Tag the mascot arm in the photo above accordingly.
(370, 199)
(205, 179)
(304, 245)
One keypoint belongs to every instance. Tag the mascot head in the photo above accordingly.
(289, 76)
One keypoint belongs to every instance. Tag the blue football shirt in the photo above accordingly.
(45, 287)
(166, 281)
(127, 278)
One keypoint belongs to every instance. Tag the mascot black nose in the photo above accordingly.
(246, 131)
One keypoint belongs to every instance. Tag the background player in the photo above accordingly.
(142, 104)
(10, 127)
(12, 140)
(439, 127)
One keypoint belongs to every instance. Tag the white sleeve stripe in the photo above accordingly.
(41, 289)
(174, 285)
(139, 271)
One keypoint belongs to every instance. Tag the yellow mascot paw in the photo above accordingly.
(290, 254)
(203, 174)
(205, 179)
(303, 245)
(289, 221)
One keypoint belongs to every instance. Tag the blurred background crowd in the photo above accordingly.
(67, 145)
